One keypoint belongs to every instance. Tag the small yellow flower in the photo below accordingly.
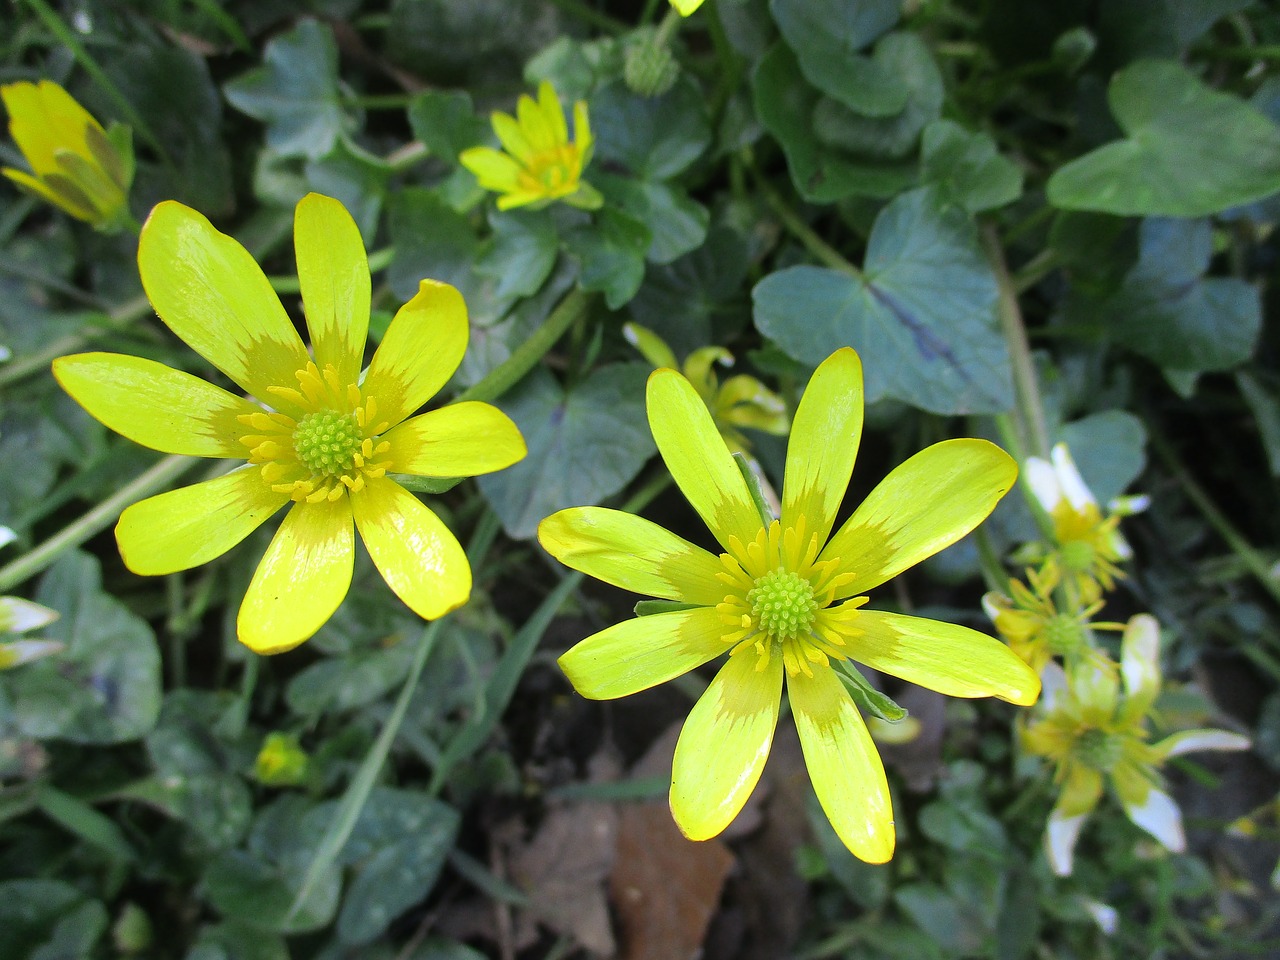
(540, 164)
(77, 165)
(281, 762)
(741, 401)
(1030, 622)
(1090, 546)
(1095, 734)
(686, 7)
(320, 436)
(19, 616)
(784, 600)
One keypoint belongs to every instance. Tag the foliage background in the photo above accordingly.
(818, 173)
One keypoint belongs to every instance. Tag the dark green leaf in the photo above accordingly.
(938, 914)
(967, 167)
(654, 138)
(677, 224)
(922, 314)
(295, 92)
(1191, 150)
(446, 123)
(585, 443)
(521, 253)
(48, 920)
(868, 698)
(612, 252)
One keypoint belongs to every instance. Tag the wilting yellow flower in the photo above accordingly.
(784, 600)
(539, 164)
(77, 165)
(741, 401)
(1090, 547)
(19, 616)
(320, 435)
(1095, 734)
(1030, 622)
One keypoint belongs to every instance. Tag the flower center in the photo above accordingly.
(783, 605)
(1098, 749)
(1063, 634)
(327, 441)
(1078, 556)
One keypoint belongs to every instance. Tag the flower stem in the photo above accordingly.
(96, 520)
(1029, 411)
(525, 357)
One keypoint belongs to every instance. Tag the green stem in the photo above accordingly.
(353, 800)
(93, 522)
(402, 158)
(67, 37)
(511, 371)
(383, 101)
(1030, 412)
(123, 316)
(1253, 561)
(822, 250)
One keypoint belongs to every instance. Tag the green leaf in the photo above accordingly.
(356, 178)
(612, 253)
(48, 920)
(295, 92)
(446, 123)
(680, 301)
(234, 941)
(967, 167)
(677, 224)
(868, 698)
(1170, 313)
(654, 138)
(105, 687)
(821, 172)
(398, 847)
(521, 253)
(433, 242)
(585, 443)
(340, 684)
(1191, 150)
(921, 314)
(1108, 447)
(1158, 28)
(941, 916)
(826, 36)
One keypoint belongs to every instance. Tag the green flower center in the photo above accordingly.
(327, 442)
(1098, 749)
(1078, 556)
(1063, 634)
(782, 604)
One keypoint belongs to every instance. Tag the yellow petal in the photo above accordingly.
(651, 346)
(724, 744)
(582, 132)
(192, 525)
(945, 657)
(211, 293)
(844, 764)
(698, 460)
(1080, 793)
(77, 205)
(632, 553)
(414, 551)
(1140, 663)
(686, 7)
(823, 444)
(925, 504)
(494, 170)
(155, 405)
(544, 125)
(511, 135)
(420, 351)
(460, 440)
(43, 119)
(1149, 807)
(333, 273)
(303, 577)
(638, 654)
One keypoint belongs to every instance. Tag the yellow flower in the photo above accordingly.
(1090, 546)
(281, 762)
(784, 600)
(1096, 734)
(320, 435)
(77, 165)
(686, 7)
(1030, 622)
(19, 616)
(741, 401)
(540, 165)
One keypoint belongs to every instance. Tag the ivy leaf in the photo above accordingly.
(677, 223)
(446, 122)
(295, 92)
(826, 36)
(654, 138)
(612, 251)
(967, 167)
(1190, 151)
(521, 253)
(585, 444)
(1170, 313)
(921, 313)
